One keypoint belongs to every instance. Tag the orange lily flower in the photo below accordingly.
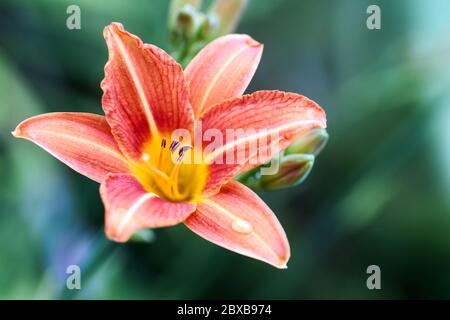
(147, 96)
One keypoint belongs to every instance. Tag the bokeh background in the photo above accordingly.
(378, 194)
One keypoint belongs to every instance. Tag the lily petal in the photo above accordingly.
(144, 91)
(129, 208)
(83, 141)
(238, 220)
(222, 70)
(269, 122)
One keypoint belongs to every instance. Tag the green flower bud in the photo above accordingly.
(176, 6)
(144, 235)
(311, 142)
(185, 23)
(293, 170)
(228, 13)
(208, 27)
(189, 21)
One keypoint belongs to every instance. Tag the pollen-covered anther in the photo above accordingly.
(182, 152)
(174, 145)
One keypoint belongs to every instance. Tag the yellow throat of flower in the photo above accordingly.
(167, 168)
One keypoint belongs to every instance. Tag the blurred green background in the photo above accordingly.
(378, 194)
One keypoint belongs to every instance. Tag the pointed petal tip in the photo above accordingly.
(115, 237)
(222, 70)
(16, 133)
(283, 264)
(242, 36)
(253, 43)
(113, 27)
(284, 258)
(258, 233)
(82, 141)
(280, 263)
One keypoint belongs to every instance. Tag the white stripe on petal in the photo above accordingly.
(133, 209)
(265, 133)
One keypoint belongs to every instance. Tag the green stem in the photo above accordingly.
(101, 249)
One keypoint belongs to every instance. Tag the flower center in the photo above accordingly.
(169, 171)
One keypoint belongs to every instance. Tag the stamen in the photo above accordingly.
(173, 176)
(157, 173)
(174, 145)
(161, 153)
(160, 178)
(182, 151)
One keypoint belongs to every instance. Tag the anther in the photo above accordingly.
(182, 151)
(174, 145)
(163, 143)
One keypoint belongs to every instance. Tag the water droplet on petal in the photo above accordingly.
(145, 157)
(242, 226)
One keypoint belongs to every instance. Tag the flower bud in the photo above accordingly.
(189, 21)
(208, 27)
(293, 170)
(176, 6)
(143, 235)
(185, 21)
(311, 142)
(228, 13)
